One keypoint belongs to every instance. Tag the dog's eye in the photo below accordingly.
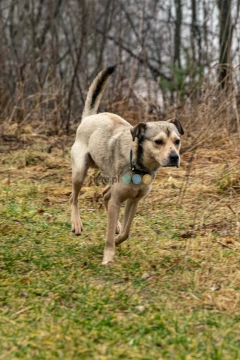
(159, 142)
(177, 142)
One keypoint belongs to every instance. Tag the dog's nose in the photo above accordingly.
(173, 158)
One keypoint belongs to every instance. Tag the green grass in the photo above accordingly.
(156, 301)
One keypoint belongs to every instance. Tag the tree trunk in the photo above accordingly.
(225, 40)
(193, 30)
(177, 36)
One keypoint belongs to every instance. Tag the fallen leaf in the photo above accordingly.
(146, 275)
(140, 308)
(229, 240)
(25, 281)
(23, 294)
(40, 211)
(215, 287)
(187, 235)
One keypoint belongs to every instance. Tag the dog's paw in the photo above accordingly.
(107, 263)
(77, 227)
(108, 256)
(118, 228)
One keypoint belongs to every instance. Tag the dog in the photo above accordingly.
(127, 153)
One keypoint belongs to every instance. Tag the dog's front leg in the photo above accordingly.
(106, 198)
(113, 213)
(129, 213)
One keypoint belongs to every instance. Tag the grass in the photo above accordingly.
(173, 290)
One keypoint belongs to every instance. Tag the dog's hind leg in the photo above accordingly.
(129, 213)
(106, 198)
(80, 164)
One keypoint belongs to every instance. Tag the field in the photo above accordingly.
(173, 290)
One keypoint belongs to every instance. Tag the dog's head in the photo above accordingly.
(158, 143)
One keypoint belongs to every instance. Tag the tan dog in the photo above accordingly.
(124, 154)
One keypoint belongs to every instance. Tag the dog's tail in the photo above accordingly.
(96, 90)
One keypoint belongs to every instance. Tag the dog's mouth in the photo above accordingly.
(172, 163)
(175, 164)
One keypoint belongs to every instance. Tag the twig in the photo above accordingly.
(21, 311)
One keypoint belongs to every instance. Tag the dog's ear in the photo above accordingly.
(138, 130)
(178, 125)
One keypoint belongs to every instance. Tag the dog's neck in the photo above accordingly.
(139, 168)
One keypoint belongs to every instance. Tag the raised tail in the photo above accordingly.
(96, 90)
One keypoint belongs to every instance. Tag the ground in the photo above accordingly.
(173, 290)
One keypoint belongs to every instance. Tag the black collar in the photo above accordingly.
(140, 171)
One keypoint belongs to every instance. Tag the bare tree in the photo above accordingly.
(225, 39)
(177, 35)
